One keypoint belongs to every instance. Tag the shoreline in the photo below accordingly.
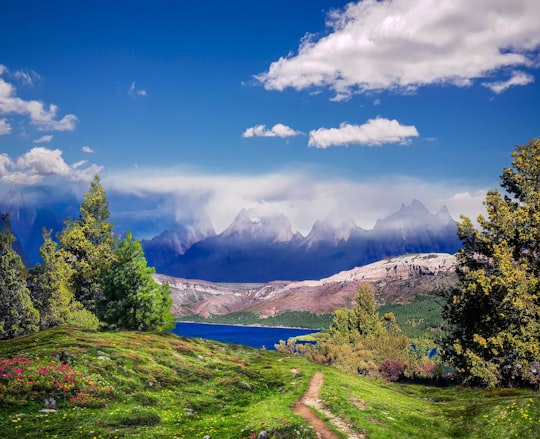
(251, 325)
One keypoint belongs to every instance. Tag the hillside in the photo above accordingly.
(70, 383)
(397, 280)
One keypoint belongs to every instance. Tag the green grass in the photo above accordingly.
(161, 386)
(141, 385)
(388, 411)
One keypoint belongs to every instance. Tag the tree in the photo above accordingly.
(17, 314)
(132, 298)
(87, 244)
(494, 313)
(360, 321)
(51, 291)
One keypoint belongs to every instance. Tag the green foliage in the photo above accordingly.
(132, 298)
(87, 243)
(293, 319)
(50, 288)
(494, 313)
(17, 314)
(419, 319)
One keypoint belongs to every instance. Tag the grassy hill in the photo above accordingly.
(141, 385)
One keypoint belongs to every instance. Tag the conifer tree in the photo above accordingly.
(132, 298)
(51, 290)
(17, 314)
(494, 313)
(360, 321)
(87, 243)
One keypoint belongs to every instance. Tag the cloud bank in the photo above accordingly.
(374, 132)
(304, 196)
(401, 45)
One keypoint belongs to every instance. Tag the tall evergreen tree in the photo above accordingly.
(51, 292)
(494, 313)
(17, 314)
(87, 244)
(360, 321)
(132, 298)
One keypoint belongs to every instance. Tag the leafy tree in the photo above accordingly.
(17, 314)
(494, 312)
(132, 298)
(51, 290)
(87, 245)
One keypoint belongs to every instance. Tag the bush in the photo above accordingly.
(392, 369)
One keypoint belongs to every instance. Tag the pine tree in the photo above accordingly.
(494, 313)
(51, 290)
(360, 321)
(87, 243)
(132, 298)
(17, 314)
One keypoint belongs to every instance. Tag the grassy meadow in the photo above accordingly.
(144, 385)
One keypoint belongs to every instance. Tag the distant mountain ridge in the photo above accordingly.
(257, 248)
(395, 280)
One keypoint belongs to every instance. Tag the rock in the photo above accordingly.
(50, 403)
(263, 435)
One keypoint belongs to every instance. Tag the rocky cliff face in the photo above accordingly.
(395, 280)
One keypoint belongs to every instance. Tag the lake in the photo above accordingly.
(254, 336)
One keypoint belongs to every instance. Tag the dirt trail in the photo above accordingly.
(311, 399)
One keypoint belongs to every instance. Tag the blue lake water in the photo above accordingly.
(254, 336)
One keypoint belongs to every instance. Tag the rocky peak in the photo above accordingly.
(258, 226)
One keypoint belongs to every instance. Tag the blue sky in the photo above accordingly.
(191, 110)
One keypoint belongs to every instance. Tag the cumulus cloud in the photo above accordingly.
(278, 130)
(5, 127)
(42, 116)
(87, 150)
(401, 45)
(518, 78)
(44, 139)
(303, 195)
(39, 163)
(134, 91)
(374, 132)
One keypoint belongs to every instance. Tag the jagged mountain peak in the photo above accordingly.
(331, 230)
(259, 225)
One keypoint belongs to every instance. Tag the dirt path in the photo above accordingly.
(311, 399)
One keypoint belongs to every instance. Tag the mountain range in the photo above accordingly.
(257, 248)
(394, 280)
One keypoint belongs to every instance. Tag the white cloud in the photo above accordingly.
(44, 139)
(401, 45)
(303, 195)
(87, 150)
(518, 78)
(41, 116)
(39, 163)
(5, 127)
(134, 91)
(373, 133)
(278, 130)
